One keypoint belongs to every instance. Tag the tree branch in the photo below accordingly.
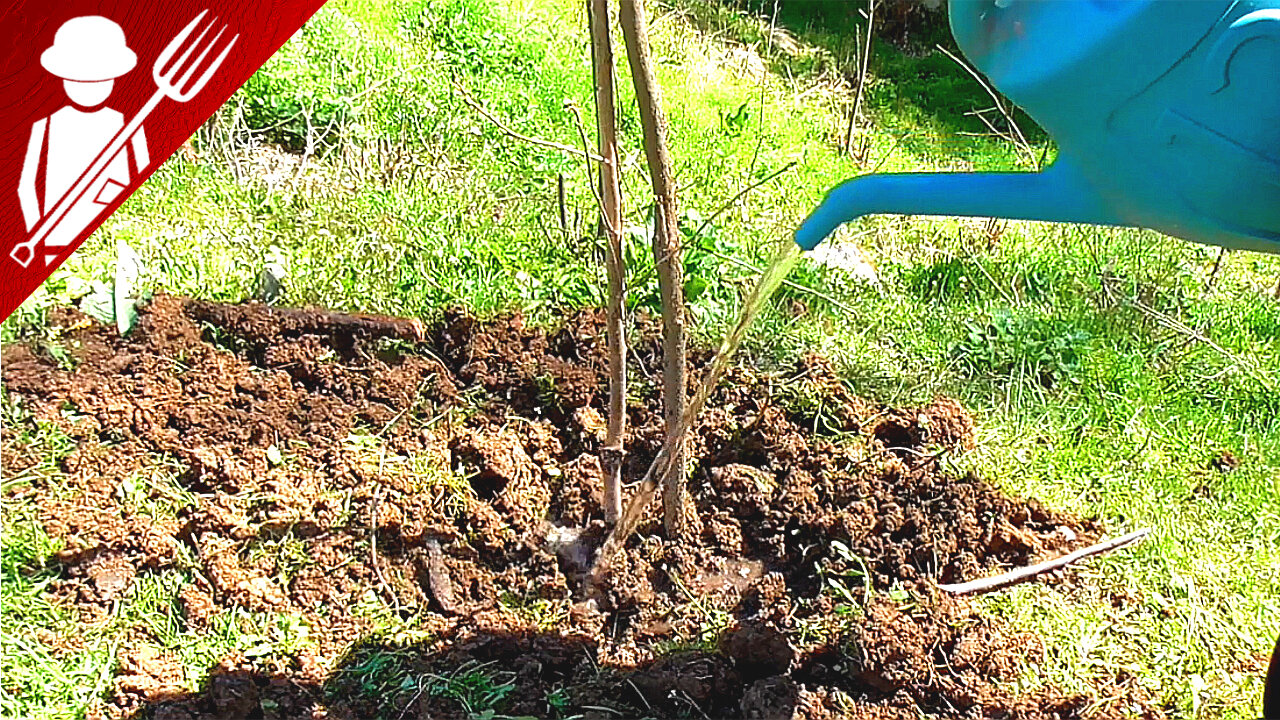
(666, 248)
(611, 219)
(733, 201)
(1013, 577)
(475, 105)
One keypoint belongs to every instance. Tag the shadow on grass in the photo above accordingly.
(915, 90)
(497, 674)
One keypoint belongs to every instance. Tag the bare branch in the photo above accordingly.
(1013, 577)
(586, 155)
(862, 79)
(1176, 325)
(1019, 139)
(612, 453)
(666, 248)
(475, 105)
(734, 200)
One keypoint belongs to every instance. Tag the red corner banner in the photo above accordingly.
(96, 94)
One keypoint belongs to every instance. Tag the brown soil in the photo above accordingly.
(457, 477)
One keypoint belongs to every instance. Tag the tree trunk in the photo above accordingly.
(666, 246)
(611, 220)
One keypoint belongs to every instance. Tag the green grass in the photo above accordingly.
(1105, 369)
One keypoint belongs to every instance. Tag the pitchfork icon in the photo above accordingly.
(173, 80)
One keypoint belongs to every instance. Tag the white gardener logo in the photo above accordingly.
(79, 146)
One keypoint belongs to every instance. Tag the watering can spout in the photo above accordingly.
(1058, 194)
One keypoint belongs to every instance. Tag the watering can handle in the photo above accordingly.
(1258, 24)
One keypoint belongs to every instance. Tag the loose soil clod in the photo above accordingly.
(482, 445)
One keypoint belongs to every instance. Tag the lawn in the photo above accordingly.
(1117, 375)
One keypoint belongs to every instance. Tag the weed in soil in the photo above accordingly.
(416, 516)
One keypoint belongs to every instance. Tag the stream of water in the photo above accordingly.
(773, 276)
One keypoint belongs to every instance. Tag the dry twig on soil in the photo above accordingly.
(373, 544)
(1013, 577)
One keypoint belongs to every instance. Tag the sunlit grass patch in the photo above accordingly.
(1109, 371)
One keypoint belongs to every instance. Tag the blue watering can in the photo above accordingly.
(1166, 114)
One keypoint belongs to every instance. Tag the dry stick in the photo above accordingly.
(764, 76)
(582, 134)
(417, 395)
(473, 104)
(611, 218)
(889, 154)
(672, 447)
(1178, 326)
(310, 321)
(1013, 577)
(1020, 140)
(561, 207)
(373, 539)
(666, 248)
(734, 200)
(862, 78)
(1213, 275)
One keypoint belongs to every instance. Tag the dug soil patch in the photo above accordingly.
(412, 510)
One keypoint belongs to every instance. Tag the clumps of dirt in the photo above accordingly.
(320, 466)
(146, 672)
(1224, 462)
(944, 425)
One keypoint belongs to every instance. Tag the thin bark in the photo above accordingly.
(666, 247)
(611, 220)
(1013, 577)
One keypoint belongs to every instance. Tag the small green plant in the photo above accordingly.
(842, 583)
(1014, 344)
(50, 340)
(44, 440)
(705, 268)
(540, 613)
(381, 675)
(118, 303)
(469, 35)
(559, 702)
(288, 553)
(154, 489)
(735, 123)
(282, 638)
(547, 395)
(479, 690)
(307, 88)
(955, 278)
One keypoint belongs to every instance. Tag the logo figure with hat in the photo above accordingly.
(88, 54)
